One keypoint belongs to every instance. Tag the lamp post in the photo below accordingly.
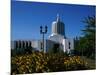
(43, 31)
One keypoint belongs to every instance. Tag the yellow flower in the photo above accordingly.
(45, 63)
(65, 62)
(20, 58)
(30, 70)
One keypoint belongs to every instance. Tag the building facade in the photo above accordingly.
(56, 39)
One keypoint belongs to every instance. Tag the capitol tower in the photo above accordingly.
(58, 36)
(58, 27)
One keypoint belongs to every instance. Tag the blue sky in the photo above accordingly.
(26, 18)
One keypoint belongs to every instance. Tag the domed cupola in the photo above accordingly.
(58, 27)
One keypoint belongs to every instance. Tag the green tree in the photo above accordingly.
(88, 39)
(86, 43)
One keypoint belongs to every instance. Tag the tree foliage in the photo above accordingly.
(86, 43)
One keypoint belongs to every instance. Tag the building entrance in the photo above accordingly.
(56, 48)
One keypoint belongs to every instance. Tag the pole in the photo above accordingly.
(43, 32)
(43, 42)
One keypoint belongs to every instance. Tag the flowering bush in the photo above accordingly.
(38, 62)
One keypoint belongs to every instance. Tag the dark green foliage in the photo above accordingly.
(28, 50)
(21, 51)
(86, 44)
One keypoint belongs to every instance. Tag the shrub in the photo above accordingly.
(39, 62)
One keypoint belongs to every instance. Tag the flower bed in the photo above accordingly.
(38, 62)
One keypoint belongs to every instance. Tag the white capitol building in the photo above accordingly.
(57, 37)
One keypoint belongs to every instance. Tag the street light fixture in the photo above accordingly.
(43, 31)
